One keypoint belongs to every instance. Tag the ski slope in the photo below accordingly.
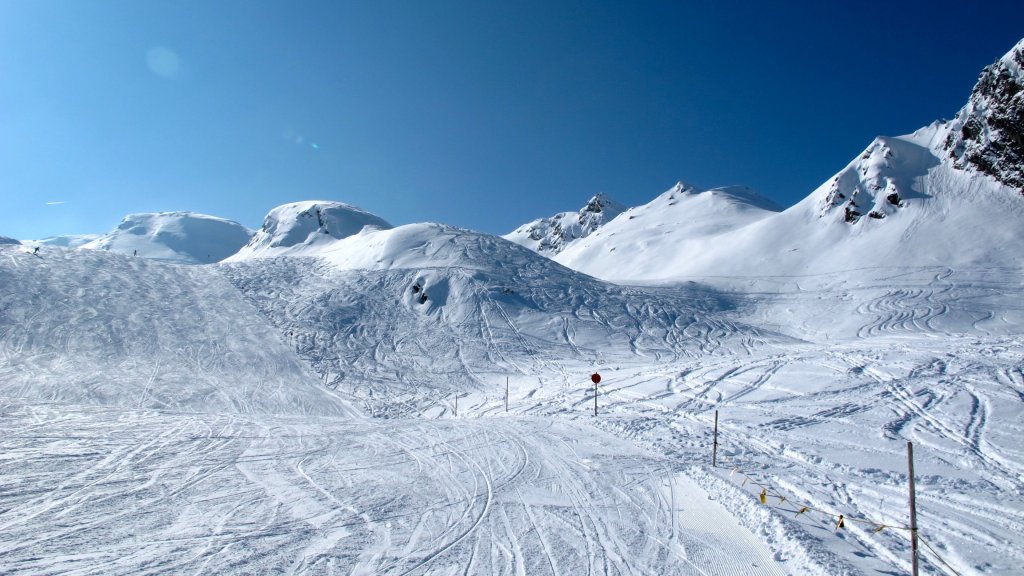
(167, 418)
(157, 420)
(88, 327)
(96, 490)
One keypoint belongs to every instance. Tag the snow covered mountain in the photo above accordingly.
(549, 236)
(6, 240)
(306, 228)
(662, 235)
(180, 237)
(947, 195)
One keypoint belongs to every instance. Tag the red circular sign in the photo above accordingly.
(595, 378)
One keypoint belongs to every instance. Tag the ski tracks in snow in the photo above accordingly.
(98, 490)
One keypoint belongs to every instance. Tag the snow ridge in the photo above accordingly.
(652, 240)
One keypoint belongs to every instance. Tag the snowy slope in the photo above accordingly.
(663, 235)
(426, 309)
(6, 240)
(549, 236)
(88, 327)
(305, 228)
(180, 237)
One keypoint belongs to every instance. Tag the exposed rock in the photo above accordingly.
(988, 133)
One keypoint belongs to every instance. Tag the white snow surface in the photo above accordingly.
(174, 419)
(305, 228)
(180, 237)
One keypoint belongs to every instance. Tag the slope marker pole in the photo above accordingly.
(714, 444)
(506, 393)
(456, 412)
(913, 509)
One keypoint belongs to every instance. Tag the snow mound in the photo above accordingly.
(63, 241)
(650, 240)
(426, 309)
(306, 228)
(179, 237)
(549, 236)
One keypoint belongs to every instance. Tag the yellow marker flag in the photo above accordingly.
(802, 510)
(840, 524)
(764, 495)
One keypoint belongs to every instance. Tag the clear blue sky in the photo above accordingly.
(479, 114)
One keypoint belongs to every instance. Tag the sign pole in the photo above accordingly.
(506, 393)
(913, 509)
(714, 445)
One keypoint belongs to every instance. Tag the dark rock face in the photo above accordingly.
(988, 134)
(851, 215)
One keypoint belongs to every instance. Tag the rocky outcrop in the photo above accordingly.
(987, 135)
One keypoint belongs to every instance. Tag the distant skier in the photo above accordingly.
(36, 250)
(135, 252)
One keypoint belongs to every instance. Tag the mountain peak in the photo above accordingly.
(551, 235)
(600, 203)
(987, 134)
(684, 188)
